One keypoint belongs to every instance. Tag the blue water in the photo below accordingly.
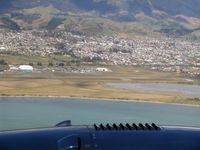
(18, 113)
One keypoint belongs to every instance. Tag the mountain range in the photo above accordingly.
(171, 17)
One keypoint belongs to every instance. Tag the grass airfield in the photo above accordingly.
(94, 85)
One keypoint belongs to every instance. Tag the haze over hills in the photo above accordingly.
(173, 17)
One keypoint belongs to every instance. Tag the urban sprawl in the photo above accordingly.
(164, 54)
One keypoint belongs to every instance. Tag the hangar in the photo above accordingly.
(25, 68)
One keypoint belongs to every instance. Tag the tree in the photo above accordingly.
(61, 64)
(39, 64)
(31, 64)
(60, 46)
(3, 65)
(3, 62)
(50, 64)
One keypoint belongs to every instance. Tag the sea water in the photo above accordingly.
(20, 113)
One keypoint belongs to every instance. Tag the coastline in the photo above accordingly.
(102, 99)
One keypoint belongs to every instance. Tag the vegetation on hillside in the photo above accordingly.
(71, 15)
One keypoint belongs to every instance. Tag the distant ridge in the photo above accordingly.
(104, 16)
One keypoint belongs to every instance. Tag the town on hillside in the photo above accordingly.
(163, 54)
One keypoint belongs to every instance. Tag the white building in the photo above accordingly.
(2, 48)
(13, 68)
(102, 69)
(25, 68)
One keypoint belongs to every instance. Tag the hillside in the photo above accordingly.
(171, 17)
